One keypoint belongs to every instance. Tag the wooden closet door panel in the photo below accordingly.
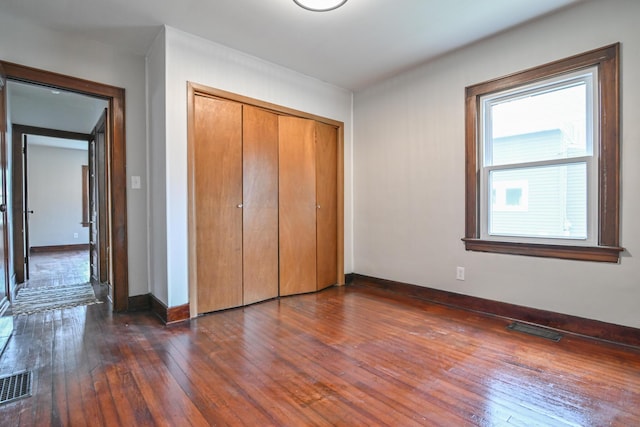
(297, 205)
(260, 211)
(327, 201)
(218, 192)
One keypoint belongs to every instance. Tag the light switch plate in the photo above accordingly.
(135, 182)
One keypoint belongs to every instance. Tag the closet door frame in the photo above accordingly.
(195, 89)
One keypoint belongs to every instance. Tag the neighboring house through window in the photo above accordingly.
(543, 160)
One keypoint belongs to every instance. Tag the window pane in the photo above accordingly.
(546, 125)
(545, 201)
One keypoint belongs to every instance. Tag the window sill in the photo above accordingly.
(581, 253)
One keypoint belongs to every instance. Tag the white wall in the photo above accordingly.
(156, 177)
(55, 196)
(190, 58)
(25, 43)
(409, 173)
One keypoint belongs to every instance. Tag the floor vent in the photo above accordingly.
(15, 387)
(535, 330)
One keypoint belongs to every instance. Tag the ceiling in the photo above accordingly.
(71, 144)
(39, 106)
(352, 47)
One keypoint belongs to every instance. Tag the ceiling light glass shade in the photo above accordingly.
(320, 5)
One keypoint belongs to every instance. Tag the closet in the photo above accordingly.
(265, 201)
(308, 220)
(236, 203)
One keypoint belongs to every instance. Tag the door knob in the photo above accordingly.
(240, 205)
(3, 207)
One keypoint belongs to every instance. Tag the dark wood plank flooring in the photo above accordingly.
(346, 356)
(58, 268)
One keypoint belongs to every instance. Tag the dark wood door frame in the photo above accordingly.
(20, 189)
(117, 163)
(100, 133)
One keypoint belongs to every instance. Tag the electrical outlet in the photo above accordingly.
(75, 235)
(459, 273)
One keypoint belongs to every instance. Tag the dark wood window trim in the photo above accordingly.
(606, 59)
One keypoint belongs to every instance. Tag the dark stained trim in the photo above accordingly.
(158, 308)
(54, 133)
(169, 315)
(562, 322)
(608, 249)
(17, 206)
(118, 188)
(140, 302)
(578, 253)
(178, 314)
(60, 248)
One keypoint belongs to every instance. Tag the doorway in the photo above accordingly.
(113, 164)
(58, 182)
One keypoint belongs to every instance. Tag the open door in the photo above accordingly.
(93, 213)
(104, 202)
(27, 211)
(99, 204)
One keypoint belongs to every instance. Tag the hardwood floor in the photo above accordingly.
(345, 356)
(58, 268)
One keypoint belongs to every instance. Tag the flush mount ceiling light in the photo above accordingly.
(320, 5)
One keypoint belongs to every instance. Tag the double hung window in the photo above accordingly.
(542, 160)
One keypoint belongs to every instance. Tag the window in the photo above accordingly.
(542, 161)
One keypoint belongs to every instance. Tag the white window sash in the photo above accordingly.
(589, 77)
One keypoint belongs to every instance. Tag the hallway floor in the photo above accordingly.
(58, 268)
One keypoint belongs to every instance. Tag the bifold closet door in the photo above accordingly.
(327, 205)
(297, 205)
(260, 204)
(218, 202)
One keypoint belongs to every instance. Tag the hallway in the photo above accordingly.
(57, 268)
